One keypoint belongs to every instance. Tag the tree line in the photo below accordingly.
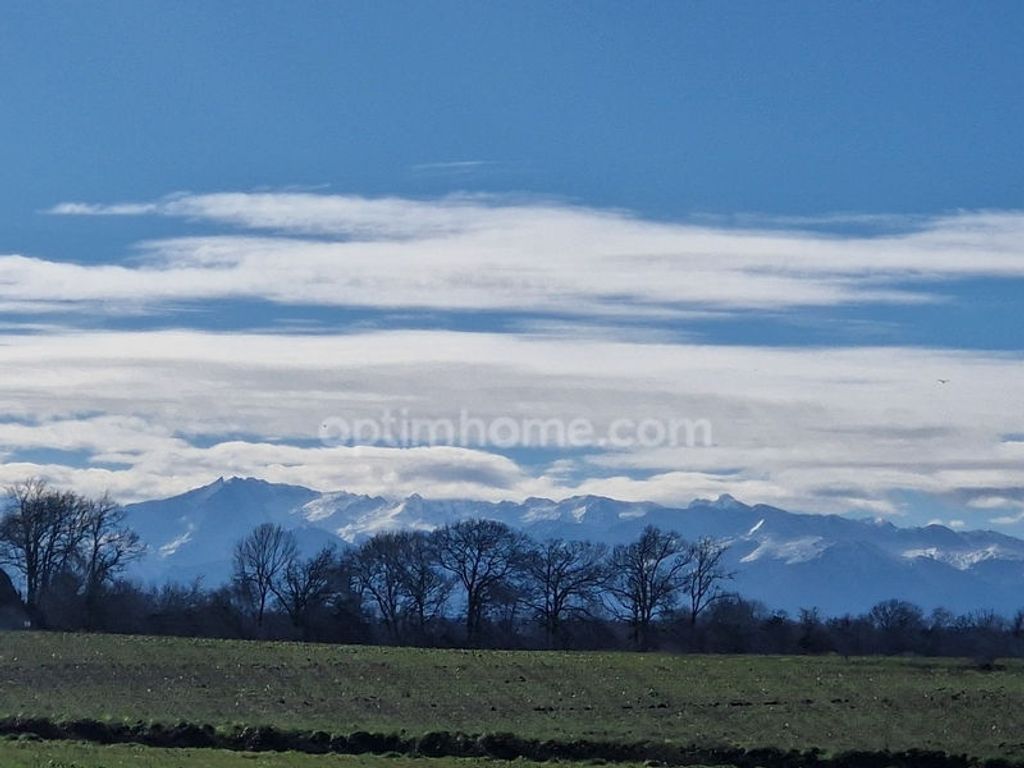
(474, 582)
(493, 580)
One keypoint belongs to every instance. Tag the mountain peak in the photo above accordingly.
(724, 501)
(233, 481)
(237, 480)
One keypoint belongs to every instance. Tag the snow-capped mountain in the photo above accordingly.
(787, 560)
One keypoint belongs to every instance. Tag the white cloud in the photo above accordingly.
(1014, 507)
(520, 256)
(995, 502)
(1008, 519)
(94, 209)
(816, 429)
(172, 468)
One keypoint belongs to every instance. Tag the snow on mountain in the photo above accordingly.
(192, 535)
(793, 551)
(786, 560)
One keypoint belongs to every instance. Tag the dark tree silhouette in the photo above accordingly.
(306, 586)
(107, 546)
(900, 624)
(260, 561)
(39, 536)
(378, 573)
(482, 556)
(648, 576)
(425, 586)
(703, 583)
(565, 579)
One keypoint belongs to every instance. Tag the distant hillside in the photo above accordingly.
(787, 560)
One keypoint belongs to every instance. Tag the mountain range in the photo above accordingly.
(786, 560)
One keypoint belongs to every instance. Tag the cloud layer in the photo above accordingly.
(150, 413)
(498, 255)
(821, 429)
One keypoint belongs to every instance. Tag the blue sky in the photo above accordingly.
(224, 223)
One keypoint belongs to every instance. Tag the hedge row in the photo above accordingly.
(504, 746)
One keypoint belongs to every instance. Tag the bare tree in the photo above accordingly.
(703, 583)
(897, 616)
(306, 586)
(813, 633)
(565, 579)
(899, 623)
(397, 572)
(378, 572)
(648, 576)
(1017, 625)
(260, 561)
(482, 556)
(426, 588)
(39, 535)
(107, 546)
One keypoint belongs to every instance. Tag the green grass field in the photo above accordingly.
(21, 753)
(786, 702)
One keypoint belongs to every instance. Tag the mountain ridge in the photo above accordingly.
(787, 560)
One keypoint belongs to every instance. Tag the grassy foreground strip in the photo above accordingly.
(498, 746)
(786, 703)
(21, 753)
